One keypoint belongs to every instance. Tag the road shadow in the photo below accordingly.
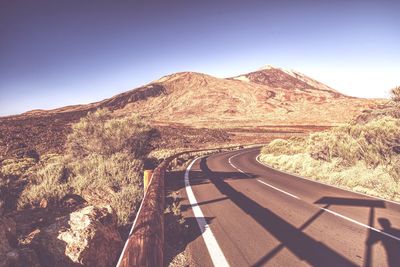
(175, 181)
(179, 230)
(340, 201)
(303, 246)
(391, 245)
(306, 248)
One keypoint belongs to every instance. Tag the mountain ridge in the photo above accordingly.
(189, 108)
(268, 95)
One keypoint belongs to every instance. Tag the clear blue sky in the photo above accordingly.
(57, 53)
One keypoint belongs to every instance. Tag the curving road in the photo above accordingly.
(243, 213)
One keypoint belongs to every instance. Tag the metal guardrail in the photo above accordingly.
(145, 243)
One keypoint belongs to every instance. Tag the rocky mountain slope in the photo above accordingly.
(269, 97)
(50, 200)
(266, 97)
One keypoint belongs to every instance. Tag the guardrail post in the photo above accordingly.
(144, 246)
(146, 179)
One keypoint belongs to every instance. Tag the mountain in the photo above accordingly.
(269, 97)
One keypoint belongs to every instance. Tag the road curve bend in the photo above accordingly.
(243, 213)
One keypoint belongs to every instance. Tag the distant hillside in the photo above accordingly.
(269, 97)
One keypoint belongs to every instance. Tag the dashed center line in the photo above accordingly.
(330, 211)
(280, 190)
(360, 224)
(230, 163)
(325, 209)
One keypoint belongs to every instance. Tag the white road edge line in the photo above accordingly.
(318, 182)
(360, 224)
(280, 190)
(217, 256)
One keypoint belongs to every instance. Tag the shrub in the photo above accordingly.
(103, 164)
(115, 172)
(126, 202)
(361, 156)
(372, 142)
(281, 146)
(16, 167)
(100, 133)
(49, 183)
(395, 92)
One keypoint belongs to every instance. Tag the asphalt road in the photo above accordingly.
(243, 213)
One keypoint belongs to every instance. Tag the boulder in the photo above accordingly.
(87, 237)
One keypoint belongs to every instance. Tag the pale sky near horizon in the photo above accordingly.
(58, 53)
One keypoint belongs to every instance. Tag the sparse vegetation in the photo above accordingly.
(396, 94)
(16, 167)
(362, 155)
(102, 164)
(99, 133)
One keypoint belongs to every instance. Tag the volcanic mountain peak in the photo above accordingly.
(267, 67)
(185, 75)
(291, 72)
(285, 79)
(268, 96)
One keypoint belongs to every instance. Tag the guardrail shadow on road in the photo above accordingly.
(391, 245)
(303, 246)
(144, 246)
(175, 182)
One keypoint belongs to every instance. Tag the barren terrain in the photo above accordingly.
(248, 108)
(42, 179)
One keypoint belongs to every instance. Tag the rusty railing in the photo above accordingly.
(145, 243)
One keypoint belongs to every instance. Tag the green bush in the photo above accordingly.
(360, 156)
(100, 133)
(16, 167)
(50, 184)
(281, 146)
(395, 92)
(372, 142)
(115, 171)
(103, 164)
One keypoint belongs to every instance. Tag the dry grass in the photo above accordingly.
(363, 157)
(103, 134)
(47, 183)
(16, 167)
(103, 164)
(396, 94)
(359, 177)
